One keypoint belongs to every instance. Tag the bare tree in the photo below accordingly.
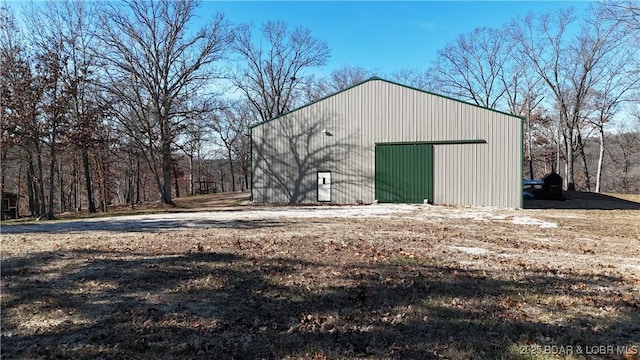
(411, 77)
(20, 94)
(312, 88)
(618, 82)
(12, 66)
(347, 76)
(339, 79)
(62, 42)
(625, 12)
(155, 63)
(471, 67)
(569, 67)
(71, 24)
(524, 94)
(222, 123)
(242, 117)
(625, 154)
(192, 142)
(87, 114)
(272, 76)
(55, 103)
(55, 36)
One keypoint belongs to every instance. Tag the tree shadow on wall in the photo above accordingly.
(293, 149)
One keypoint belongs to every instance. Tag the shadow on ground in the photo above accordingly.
(139, 224)
(583, 200)
(94, 304)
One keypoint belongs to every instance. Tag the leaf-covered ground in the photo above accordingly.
(427, 282)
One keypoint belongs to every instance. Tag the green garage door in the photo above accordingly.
(404, 173)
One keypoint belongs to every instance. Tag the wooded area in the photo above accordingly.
(128, 102)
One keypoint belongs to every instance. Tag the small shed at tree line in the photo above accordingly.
(386, 142)
(9, 206)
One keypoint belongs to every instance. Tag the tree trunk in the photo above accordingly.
(233, 175)
(63, 205)
(166, 172)
(18, 186)
(200, 178)
(3, 171)
(626, 165)
(600, 158)
(570, 171)
(246, 178)
(625, 177)
(87, 180)
(76, 182)
(175, 179)
(584, 162)
(191, 175)
(558, 148)
(2, 175)
(31, 193)
(159, 184)
(101, 165)
(40, 186)
(52, 170)
(131, 178)
(529, 150)
(138, 181)
(103, 189)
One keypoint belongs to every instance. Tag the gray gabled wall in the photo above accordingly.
(477, 151)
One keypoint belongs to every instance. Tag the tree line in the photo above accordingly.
(133, 101)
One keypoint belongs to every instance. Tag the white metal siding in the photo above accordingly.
(289, 150)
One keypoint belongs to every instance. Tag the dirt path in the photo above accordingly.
(230, 217)
(237, 216)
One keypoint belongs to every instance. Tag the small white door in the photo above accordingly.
(324, 186)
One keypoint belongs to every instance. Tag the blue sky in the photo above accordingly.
(384, 35)
(379, 35)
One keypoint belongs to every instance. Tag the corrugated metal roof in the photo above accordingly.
(375, 78)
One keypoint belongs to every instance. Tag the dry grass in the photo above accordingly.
(194, 203)
(628, 197)
(429, 285)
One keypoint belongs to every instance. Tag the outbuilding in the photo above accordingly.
(386, 142)
(9, 205)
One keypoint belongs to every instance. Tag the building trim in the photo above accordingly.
(435, 142)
